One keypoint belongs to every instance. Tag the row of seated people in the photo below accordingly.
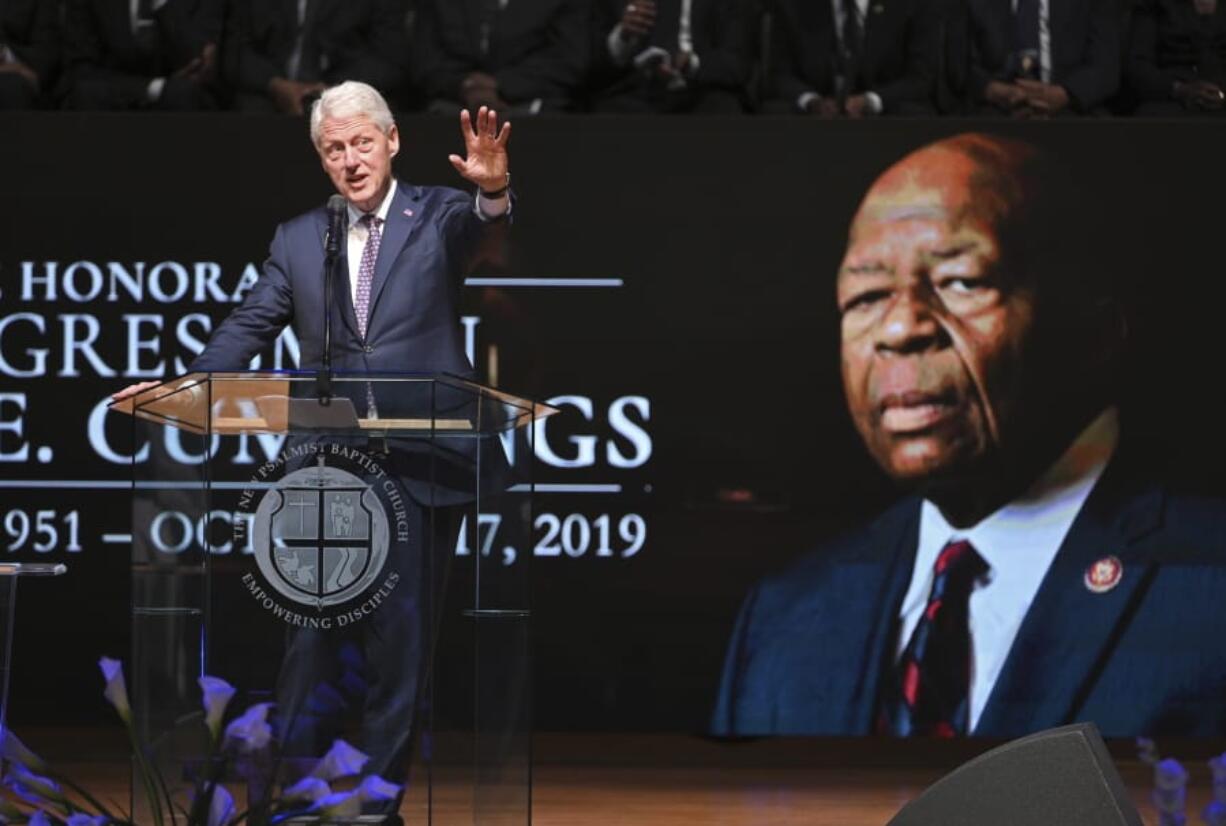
(829, 58)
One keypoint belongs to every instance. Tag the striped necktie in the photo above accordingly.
(928, 694)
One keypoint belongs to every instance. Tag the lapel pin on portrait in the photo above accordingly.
(1104, 575)
(408, 213)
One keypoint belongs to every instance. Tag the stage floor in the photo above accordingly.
(668, 780)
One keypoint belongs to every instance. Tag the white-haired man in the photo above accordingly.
(393, 311)
(399, 313)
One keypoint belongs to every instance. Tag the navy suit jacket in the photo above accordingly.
(413, 325)
(1147, 657)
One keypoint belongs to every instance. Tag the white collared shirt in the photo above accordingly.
(1018, 543)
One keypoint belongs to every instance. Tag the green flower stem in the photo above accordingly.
(214, 769)
(85, 795)
(146, 773)
(170, 804)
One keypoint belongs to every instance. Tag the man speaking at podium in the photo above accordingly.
(406, 249)
(393, 310)
(1042, 575)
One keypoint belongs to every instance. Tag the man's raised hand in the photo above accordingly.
(485, 145)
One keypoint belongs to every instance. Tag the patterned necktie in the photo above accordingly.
(366, 270)
(930, 689)
(361, 300)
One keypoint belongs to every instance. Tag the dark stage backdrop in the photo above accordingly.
(687, 327)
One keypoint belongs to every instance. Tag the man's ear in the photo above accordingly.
(393, 139)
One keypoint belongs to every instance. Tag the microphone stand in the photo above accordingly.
(323, 378)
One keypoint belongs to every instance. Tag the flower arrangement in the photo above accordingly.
(333, 788)
(1171, 783)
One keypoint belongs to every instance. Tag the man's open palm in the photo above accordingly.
(486, 147)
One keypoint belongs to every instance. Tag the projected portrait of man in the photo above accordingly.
(1038, 575)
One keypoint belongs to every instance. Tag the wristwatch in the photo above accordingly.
(497, 193)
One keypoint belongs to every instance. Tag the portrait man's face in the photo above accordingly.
(933, 331)
(357, 156)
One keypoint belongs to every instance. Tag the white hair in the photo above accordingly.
(347, 100)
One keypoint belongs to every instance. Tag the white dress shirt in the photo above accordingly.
(1018, 543)
(486, 209)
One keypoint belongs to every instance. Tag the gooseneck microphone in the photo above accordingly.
(337, 212)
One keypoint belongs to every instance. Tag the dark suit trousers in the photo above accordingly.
(371, 674)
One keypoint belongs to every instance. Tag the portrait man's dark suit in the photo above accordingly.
(896, 59)
(1085, 49)
(812, 644)
(337, 40)
(29, 29)
(533, 50)
(110, 65)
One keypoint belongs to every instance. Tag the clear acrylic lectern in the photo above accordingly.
(357, 568)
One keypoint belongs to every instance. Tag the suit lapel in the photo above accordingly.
(403, 218)
(341, 293)
(827, 653)
(873, 595)
(1070, 631)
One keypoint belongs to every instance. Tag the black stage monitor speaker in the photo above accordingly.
(1056, 777)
